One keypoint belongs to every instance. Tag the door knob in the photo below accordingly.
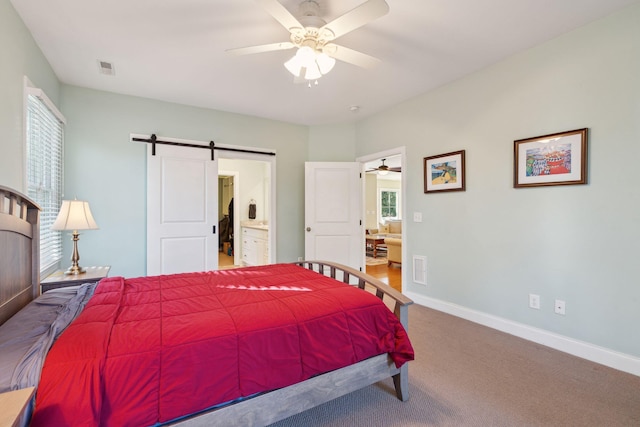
(308, 228)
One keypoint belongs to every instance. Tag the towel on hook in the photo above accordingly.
(252, 211)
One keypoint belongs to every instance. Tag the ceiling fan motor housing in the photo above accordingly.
(313, 34)
(309, 8)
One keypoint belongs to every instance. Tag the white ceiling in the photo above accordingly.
(174, 50)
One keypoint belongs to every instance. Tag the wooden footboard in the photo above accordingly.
(397, 302)
(279, 404)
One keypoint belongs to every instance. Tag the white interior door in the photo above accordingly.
(333, 230)
(182, 210)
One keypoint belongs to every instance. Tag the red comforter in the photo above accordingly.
(152, 349)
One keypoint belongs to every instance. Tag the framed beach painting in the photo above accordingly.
(444, 172)
(556, 159)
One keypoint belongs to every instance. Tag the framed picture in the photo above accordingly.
(444, 172)
(556, 159)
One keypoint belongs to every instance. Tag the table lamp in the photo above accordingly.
(74, 215)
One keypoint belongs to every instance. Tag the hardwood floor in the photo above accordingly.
(389, 275)
(225, 261)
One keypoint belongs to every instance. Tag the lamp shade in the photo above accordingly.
(74, 215)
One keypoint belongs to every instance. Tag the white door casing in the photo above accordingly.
(182, 198)
(333, 230)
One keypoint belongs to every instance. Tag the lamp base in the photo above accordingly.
(74, 269)
(75, 257)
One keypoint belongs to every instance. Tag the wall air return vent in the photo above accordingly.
(106, 68)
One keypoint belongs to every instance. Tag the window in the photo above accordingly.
(44, 144)
(389, 204)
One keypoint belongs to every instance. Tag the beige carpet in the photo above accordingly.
(470, 375)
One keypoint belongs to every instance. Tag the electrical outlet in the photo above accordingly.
(534, 301)
(559, 307)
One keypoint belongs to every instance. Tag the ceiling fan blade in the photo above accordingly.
(395, 169)
(349, 55)
(357, 17)
(260, 48)
(280, 13)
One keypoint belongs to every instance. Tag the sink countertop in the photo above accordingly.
(255, 224)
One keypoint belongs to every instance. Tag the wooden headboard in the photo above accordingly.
(19, 252)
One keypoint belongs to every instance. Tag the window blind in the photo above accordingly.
(44, 135)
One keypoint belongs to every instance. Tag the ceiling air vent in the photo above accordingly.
(106, 68)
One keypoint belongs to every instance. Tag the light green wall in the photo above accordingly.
(487, 248)
(332, 143)
(103, 167)
(19, 57)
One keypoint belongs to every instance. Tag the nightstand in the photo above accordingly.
(13, 405)
(61, 280)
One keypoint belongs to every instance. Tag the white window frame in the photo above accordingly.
(50, 200)
(382, 219)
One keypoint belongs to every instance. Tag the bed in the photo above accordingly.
(319, 375)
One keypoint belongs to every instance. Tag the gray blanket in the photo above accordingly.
(26, 338)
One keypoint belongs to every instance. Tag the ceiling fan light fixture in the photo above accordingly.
(302, 59)
(309, 63)
(325, 62)
(294, 66)
(383, 172)
(312, 71)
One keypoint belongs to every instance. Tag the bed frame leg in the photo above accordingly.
(401, 383)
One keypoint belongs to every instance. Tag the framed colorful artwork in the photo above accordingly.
(444, 172)
(556, 159)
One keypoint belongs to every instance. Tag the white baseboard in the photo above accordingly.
(585, 350)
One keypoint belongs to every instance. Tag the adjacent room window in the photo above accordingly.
(44, 148)
(389, 204)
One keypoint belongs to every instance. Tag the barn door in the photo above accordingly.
(182, 210)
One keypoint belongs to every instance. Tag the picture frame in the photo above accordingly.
(554, 159)
(444, 172)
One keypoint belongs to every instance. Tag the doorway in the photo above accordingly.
(245, 200)
(383, 215)
(226, 207)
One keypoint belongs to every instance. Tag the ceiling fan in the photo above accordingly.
(385, 169)
(313, 37)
